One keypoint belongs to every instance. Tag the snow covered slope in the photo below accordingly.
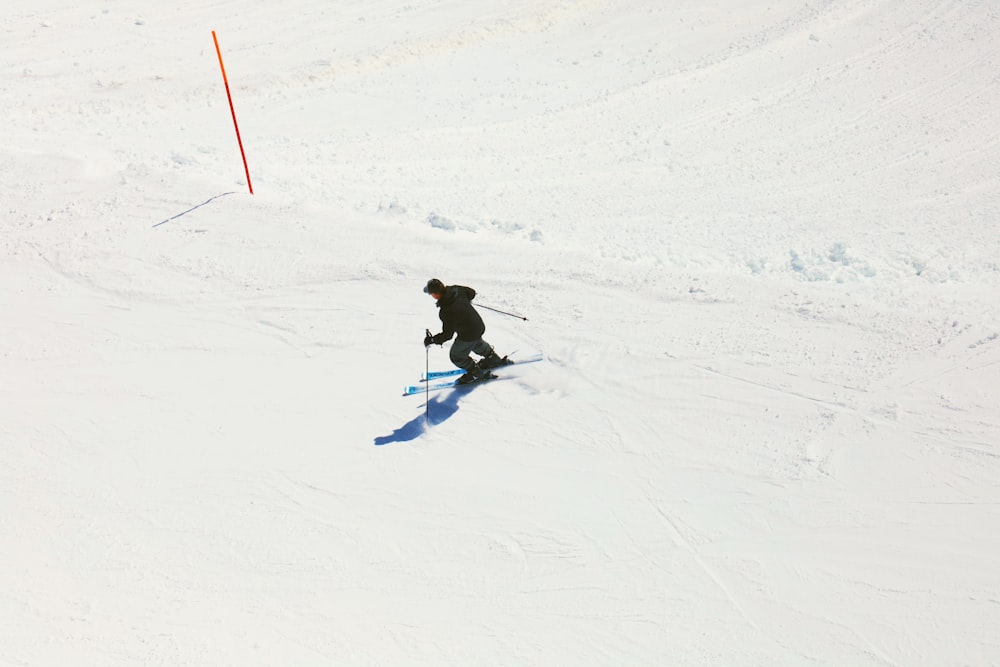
(756, 241)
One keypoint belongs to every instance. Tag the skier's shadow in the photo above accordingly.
(440, 409)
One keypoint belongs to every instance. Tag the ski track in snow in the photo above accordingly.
(755, 242)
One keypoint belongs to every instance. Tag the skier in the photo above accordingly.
(458, 316)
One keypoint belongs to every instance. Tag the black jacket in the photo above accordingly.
(458, 316)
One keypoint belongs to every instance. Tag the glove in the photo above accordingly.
(428, 339)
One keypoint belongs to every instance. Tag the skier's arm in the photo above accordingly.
(443, 337)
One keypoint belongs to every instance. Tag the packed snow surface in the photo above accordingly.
(756, 241)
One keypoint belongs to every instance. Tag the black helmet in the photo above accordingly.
(434, 286)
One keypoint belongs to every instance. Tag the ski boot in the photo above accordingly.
(472, 374)
(493, 361)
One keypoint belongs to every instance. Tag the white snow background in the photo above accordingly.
(756, 241)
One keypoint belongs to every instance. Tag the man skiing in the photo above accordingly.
(459, 317)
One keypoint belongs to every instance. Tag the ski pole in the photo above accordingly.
(427, 383)
(520, 317)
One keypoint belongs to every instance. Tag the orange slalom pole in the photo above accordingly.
(232, 109)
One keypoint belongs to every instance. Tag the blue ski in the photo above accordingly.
(444, 384)
(437, 375)
(436, 383)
